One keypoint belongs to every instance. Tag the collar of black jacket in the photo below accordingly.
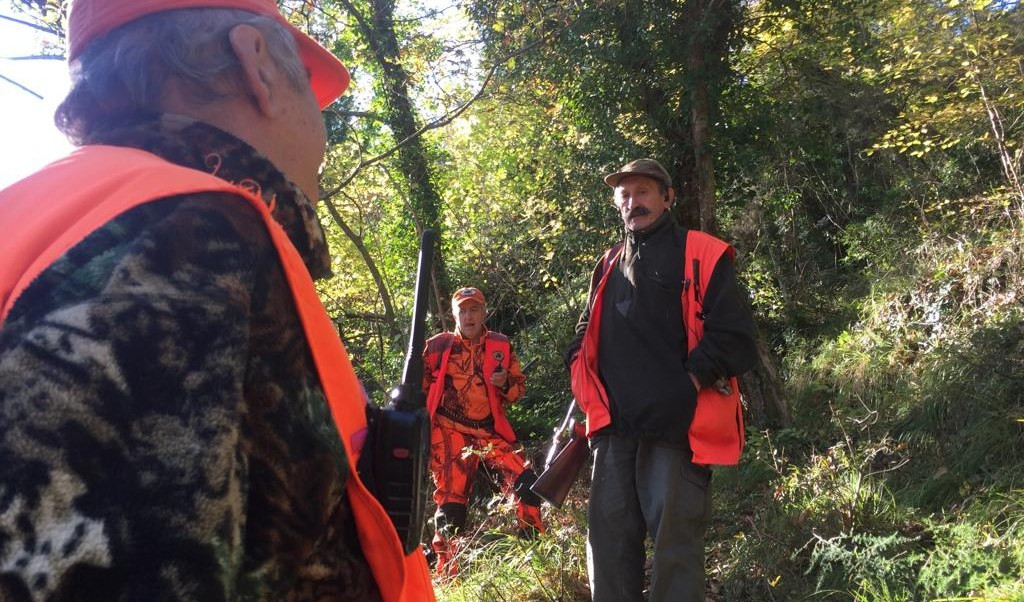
(660, 231)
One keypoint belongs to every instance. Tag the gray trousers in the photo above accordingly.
(642, 487)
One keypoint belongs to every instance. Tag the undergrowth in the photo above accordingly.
(497, 566)
(901, 475)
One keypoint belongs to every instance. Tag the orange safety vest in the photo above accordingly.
(51, 211)
(497, 350)
(716, 432)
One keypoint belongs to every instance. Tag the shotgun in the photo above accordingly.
(398, 437)
(563, 462)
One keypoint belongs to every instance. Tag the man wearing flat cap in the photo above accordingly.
(470, 375)
(653, 363)
(178, 418)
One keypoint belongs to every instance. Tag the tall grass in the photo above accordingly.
(497, 566)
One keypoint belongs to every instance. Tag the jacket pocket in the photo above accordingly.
(695, 493)
(697, 474)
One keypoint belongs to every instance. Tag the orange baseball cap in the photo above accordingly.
(90, 19)
(468, 293)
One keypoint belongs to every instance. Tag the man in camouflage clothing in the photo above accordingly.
(470, 376)
(163, 430)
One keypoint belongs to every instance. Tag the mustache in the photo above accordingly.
(638, 212)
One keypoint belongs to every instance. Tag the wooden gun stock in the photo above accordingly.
(562, 466)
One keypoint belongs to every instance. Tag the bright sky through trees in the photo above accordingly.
(28, 138)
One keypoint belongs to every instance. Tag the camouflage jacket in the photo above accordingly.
(163, 433)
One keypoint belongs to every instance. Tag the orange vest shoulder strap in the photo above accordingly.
(608, 260)
(439, 347)
(498, 338)
(612, 255)
(699, 259)
(500, 351)
(436, 347)
(55, 208)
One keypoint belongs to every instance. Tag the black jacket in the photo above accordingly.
(643, 360)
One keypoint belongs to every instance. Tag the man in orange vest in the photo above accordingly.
(178, 418)
(469, 376)
(653, 363)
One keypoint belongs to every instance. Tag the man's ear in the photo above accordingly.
(260, 74)
(670, 196)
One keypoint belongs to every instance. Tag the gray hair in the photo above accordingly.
(124, 72)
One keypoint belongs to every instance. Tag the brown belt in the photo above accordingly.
(486, 423)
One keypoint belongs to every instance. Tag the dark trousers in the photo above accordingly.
(639, 488)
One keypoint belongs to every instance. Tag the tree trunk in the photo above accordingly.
(687, 207)
(760, 387)
(704, 169)
(762, 391)
(378, 31)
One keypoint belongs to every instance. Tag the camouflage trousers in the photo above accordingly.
(455, 456)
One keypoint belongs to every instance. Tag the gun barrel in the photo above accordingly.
(560, 430)
(412, 373)
(400, 434)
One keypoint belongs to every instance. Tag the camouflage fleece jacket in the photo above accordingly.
(163, 433)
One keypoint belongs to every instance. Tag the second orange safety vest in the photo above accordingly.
(52, 210)
(716, 432)
(497, 350)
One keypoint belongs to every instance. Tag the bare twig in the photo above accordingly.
(14, 83)
(901, 464)
(42, 28)
(36, 57)
(439, 122)
(436, 123)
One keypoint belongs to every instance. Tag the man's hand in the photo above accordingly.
(499, 377)
(721, 385)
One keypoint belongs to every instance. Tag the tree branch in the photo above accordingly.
(360, 20)
(36, 57)
(42, 28)
(382, 291)
(436, 123)
(439, 122)
(362, 114)
(366, 316)
(14, 83)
